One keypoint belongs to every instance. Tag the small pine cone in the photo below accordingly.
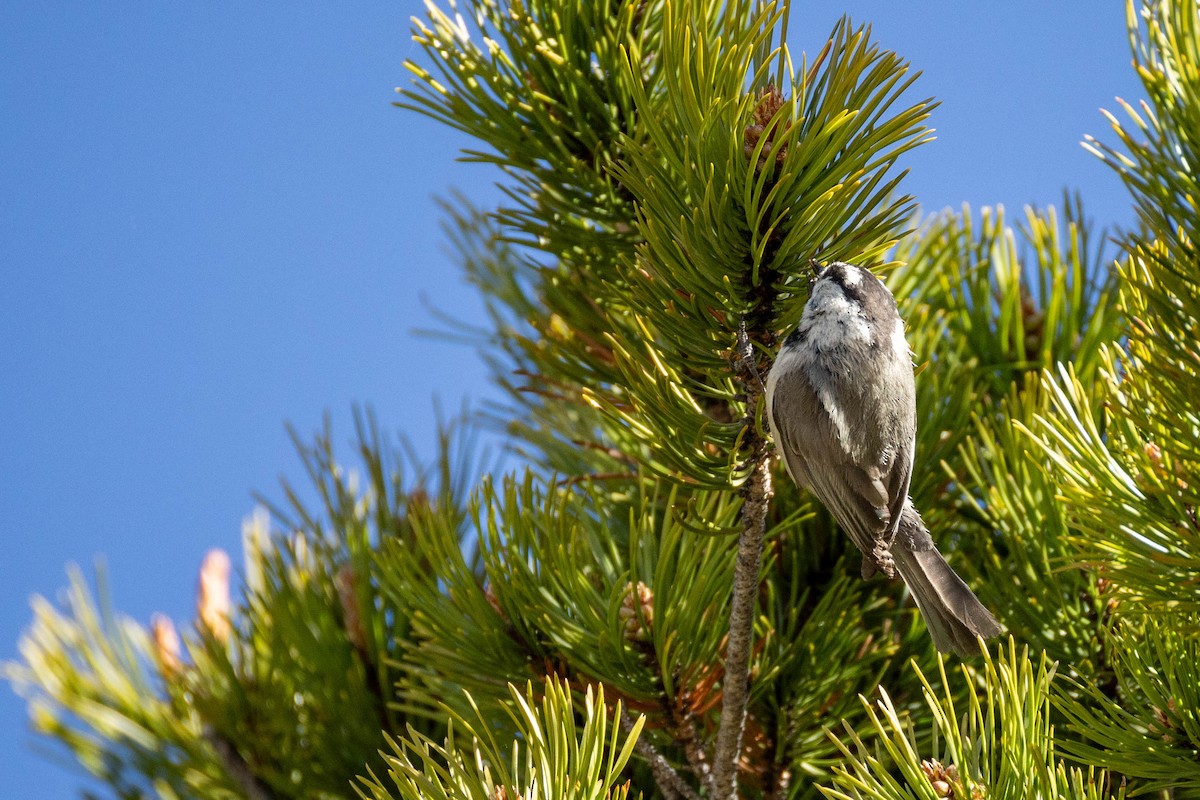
(418, 500)
(1034, 321)
(212, 595)
(166, 645)
(941, 778)
(351, 616)
(770, 100)
(1104, 587)
(637, 611)
(947, 783)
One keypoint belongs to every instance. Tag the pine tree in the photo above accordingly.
(648, 606)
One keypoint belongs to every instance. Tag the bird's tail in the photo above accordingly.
(952, 612)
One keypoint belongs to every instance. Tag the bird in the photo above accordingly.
(841, 406)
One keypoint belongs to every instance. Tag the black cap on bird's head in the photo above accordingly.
(840, 272)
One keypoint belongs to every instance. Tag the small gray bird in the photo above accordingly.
(841, 403)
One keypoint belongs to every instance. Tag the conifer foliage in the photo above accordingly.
(648, 607)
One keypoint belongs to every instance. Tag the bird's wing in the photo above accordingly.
(861, 502)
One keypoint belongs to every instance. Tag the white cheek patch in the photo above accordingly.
(828, 332)
(831, 318)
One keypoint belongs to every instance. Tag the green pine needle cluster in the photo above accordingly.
(545, 762)
(998, 744)
(648, 606)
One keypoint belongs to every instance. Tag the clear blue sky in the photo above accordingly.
(212, 222)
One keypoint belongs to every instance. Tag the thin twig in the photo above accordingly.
(685, 733)
(758, 491)
(669, 782)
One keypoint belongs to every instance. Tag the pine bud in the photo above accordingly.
(166, 645)
(637, 611)
(256, 540)
(489, 594)
(212, 595)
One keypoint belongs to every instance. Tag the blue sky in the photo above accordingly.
(213, 223)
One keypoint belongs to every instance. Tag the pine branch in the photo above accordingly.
(757, 491)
